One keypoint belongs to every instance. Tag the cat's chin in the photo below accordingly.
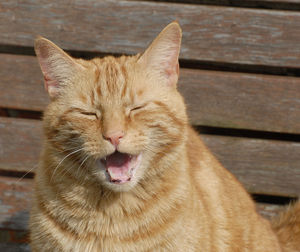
(118, 170)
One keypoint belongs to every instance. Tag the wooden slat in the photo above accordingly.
(10, 247)
(220, 99)
(16, 200)
(243, 101)
(222, 34)
(269, 211)
(263, 166)
(15, 196)
(21, 83)
(20, 144)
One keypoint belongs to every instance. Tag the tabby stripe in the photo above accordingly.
(52, 134)
(137, 235)
(93, 97)
(115, 75)
(209, 226)
(125, 75)
(56, 193)
(111, 73)
(152, 124)
(98, 90)
(63, 118)
(167, 149)
(176, 120)
(164, 192)
(207, 205)
(97, 73)
(54, 187)
(71, 205)
(156, 228)
(61, 227)
(170, 137)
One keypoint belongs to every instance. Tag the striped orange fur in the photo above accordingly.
(122, 170)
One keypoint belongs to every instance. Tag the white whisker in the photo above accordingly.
(78, 169)
(35, 166)
(64, 159)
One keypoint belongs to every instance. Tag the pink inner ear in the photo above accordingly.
(172, 72)
(172, 69)
(51, 85)
(50, 82)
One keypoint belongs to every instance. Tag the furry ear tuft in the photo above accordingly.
(162, 55)
(57, 66)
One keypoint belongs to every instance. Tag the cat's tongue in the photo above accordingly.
(117, 166)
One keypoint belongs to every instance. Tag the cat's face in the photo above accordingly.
(117, 114)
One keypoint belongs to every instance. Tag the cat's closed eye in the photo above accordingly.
(92, 115)
(137, 107)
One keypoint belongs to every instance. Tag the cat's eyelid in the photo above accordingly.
(140, 106)
(137, 107)
(88, 113)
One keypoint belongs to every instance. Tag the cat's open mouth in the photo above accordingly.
(120, 167)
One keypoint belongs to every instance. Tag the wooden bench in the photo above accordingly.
(240, 69)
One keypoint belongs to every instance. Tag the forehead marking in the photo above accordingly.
(111, 77)
(125, 77)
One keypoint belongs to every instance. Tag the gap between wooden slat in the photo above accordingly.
(188, 64)
(257, 134)
(271, 199)
(289, 5)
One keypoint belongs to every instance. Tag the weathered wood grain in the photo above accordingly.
(263, 166)
(11, 247)
(211, 33)
(21, 83)
(20, 144)
(16, 197)
(269, 211)
(219, 99)
(243, 101)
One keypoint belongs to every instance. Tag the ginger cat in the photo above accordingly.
(122, 169)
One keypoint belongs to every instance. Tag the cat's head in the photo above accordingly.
(117, 119)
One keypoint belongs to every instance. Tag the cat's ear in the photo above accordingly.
(162, 55)
(57, 66)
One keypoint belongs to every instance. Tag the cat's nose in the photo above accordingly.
(114, 137)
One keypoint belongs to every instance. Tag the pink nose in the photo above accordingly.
(114, 137)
